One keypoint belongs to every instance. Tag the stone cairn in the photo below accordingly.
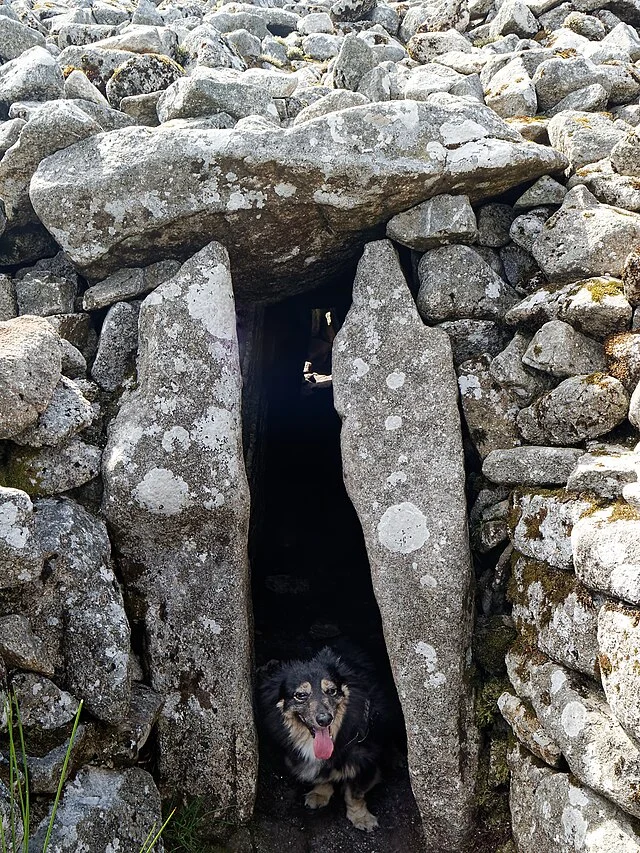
(166, 168)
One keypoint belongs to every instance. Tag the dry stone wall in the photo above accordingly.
(160, 163)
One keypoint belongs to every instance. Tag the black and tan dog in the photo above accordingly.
(329, 716)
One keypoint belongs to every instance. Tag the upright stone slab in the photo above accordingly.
(177, 498)
(395, 389)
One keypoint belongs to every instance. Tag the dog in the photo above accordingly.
(330, 718)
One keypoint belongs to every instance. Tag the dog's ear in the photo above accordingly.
(339, 670)
(271, 682)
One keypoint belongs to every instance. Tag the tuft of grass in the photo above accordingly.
(19, 808)
(187, 833)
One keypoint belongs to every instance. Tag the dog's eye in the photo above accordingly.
(331, 691)
(300, 697)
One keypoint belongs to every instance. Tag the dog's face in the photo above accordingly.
(313, 701)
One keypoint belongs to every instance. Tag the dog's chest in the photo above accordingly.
(305, 765)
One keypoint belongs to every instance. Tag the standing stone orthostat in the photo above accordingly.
(395, 389)
(177, 499)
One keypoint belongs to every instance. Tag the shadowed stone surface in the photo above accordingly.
(292, 205)
(395, 390)
(104, 811)
(553, 813)
(177, 498)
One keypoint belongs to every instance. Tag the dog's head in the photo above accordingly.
(312, 699)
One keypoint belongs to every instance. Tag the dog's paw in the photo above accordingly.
(319, 797)
(363, 819)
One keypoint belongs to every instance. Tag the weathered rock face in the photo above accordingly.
(307, 195)
(553, 813)
(177, 499)
(395, 390)
(104, 810)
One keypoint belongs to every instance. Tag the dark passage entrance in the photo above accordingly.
(311, 581)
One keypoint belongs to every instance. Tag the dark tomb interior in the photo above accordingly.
(311, 580)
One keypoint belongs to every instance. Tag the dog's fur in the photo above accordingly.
(297, 698)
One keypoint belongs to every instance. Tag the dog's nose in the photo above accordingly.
(323, 719)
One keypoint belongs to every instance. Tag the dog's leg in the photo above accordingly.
(319, 795)
(357, 810)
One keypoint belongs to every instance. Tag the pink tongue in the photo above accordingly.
(322, 744)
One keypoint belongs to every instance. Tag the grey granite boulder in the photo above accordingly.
(596, 747)
(580, 407)
(526, 727)
(304, 175)
(533, 465)
(355, 60)
(21, 648)
(472, 338)
(443, 219)
(15, 38)
(55, 126)
(103, 811)
(509, 371)
(596, 307)
(20, 551)
(43, 293)
(341, 99)
(68, 413)
(33, 76)
(30, 368)
(619, 647)
(625, 156)
(117, 346)
(43, 705)
(555, 78)
(583, 136)
(560, 612)
(553, 813)
(586, 238)
(201, 96)
(176, 496)
(605, 470)
(400, 422)
(542, 525)
(490, 411)
(455, 283)
(141, 75)
(606, 551)
(559, 350)
(127, 283)
(49, 470)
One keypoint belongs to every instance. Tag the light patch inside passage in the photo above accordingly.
(403, 528)
(162, 492)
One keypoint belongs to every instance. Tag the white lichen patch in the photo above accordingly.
(211, 625)
(574, 718)
(285, 190)
(11, 531)
(176, 438)
(361, 368)
(215, 430)
(403, 528)
(395, 380)
(428, 581)
(458, 132)
(245, 200)
(393, 422)
(430, 655)
(470, 386)
(396, 478)
(162, 492)
(211, 301)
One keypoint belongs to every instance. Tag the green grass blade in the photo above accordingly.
(148, 847)
(62, 778)
(26, 816)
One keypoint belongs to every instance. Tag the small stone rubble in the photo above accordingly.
(166, 167)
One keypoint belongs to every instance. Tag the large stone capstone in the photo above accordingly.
(395, 389)
(292, 205)
(177, 500)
